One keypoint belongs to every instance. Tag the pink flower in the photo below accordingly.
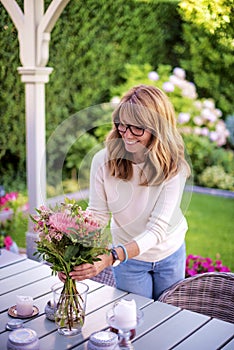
(224, 269)
(62, 222)
(12, 196)
(8, 242)
(196, 264)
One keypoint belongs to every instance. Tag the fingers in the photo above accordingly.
(84, 271)
(62, 276)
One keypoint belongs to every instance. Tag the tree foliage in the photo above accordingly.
(208, 32)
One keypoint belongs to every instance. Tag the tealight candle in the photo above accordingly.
(125, 313)
(24, 305)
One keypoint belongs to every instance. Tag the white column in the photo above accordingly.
(35, 79)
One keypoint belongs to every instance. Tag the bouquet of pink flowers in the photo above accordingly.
(69, 236)
(196, 264)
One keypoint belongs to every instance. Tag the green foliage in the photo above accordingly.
(216, 177)
(204, 153)
(200, 151)
(90, 45)
(93, 50)
(207, 53)
(12, 136)
(71, 147)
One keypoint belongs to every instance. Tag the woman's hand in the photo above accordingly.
(85, 271)
(62, 276)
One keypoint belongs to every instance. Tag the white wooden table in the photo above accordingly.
(164, 326)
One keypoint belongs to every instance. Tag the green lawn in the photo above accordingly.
(210, 234)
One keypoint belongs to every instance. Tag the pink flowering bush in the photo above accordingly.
(196, 264)
(13, 219)
(5, 201)
(5, 241)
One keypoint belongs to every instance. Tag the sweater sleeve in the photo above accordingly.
(97, 196)
(165, 215)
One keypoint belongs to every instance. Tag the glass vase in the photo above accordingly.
(70, 304)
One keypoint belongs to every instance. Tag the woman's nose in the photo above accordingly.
(128, 133)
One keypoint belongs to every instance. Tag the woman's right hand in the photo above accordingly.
(62, 276)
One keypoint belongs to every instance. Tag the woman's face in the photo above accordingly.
(134, 144)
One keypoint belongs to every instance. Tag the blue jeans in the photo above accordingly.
(151, 279)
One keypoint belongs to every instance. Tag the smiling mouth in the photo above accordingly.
(130, 142)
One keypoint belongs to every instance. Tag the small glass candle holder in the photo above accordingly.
(124, 323)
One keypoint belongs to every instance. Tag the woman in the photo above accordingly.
(139, 180)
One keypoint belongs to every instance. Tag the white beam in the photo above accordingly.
(45, 27)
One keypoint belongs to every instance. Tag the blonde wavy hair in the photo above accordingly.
(147, 107)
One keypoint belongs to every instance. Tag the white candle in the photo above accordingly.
(125, 314)
(24, 305)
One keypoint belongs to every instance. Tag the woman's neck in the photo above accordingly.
(138, 158)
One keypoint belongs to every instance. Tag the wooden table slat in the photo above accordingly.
(35, 290)
(25, 278)
(229, 345)
(7, 258)
(169, 333)
(215, 333)
(19, 267)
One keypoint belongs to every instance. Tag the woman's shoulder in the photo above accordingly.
(100, 157)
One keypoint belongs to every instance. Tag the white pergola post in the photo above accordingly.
(35, 79)
(34, 27)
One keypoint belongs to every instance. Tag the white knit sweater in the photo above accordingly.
(150, 215)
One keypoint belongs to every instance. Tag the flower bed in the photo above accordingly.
(196, 264)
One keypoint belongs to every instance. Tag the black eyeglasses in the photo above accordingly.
(135, 130)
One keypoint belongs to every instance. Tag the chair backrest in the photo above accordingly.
(210, 293)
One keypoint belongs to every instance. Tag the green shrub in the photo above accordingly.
(216, 177)
(200, 151)
(204, 153)
(207, 52)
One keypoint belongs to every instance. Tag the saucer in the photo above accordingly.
(12, 311)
